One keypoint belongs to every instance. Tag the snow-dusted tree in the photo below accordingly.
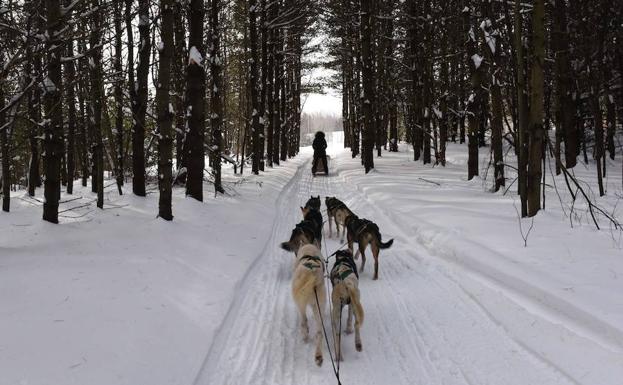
(164, 109)
(139, 104)
(70, 102)
(254, 85)
(535, 125)
(216, 97)
(53, 126)
(96, 97)
(195, 105)
(118, 93)
(368, 84)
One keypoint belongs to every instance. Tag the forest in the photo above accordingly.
(146, 91)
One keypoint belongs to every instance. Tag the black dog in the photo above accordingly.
(365, 233)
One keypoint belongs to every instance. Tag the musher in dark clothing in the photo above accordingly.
(320, 146)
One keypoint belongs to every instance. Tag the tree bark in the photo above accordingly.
(53, 128)
(536, 132)
(165, 113)
(139, 107)
(216, 98)
(195, 104)
(118, 91)
(368, 85)
(96, 100)
(253, 83)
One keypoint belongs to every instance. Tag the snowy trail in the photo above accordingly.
(420, 327)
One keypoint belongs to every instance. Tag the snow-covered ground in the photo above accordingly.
(121, 297)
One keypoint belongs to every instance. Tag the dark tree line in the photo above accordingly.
(543, 77)
(102, 90)
(147, 90)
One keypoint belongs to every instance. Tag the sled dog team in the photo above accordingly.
(308, 282)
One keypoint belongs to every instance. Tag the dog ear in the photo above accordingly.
(286, 246)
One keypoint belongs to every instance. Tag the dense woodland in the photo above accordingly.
(146, 90)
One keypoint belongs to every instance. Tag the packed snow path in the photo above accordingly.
(421, 326)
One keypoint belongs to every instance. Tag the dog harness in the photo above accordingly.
(342, 269)
(309, 261)
(335, 204)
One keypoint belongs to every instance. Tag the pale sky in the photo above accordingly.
(328, 104)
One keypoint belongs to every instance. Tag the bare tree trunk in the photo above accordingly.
(536, 131)
(522, 113)
(253, 83)
(118, 130)
(165, 114)
(474, 106)
(565, 106)
(195, 104)
(33, 68)
(491, 33)
(368, 85)
(216, 98)
(97, 97)
(179, 66)
(4, 149)
(139, 107)
(53, 128)
(276, 117)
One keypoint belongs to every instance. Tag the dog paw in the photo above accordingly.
(319, 360)
(358, 346)
(349, 330)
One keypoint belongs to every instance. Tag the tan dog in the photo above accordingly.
(338, 212)
(308, 289)
(345, 281)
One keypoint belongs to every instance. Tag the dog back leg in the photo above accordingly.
(375, 254)
(318, 318)
(335, 319)
(362, 250)
(358, 345)
(355, 306)
(304, 324)
(349, 320)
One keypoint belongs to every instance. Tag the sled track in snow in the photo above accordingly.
(420, 326)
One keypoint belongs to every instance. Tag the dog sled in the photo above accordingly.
(321, 165)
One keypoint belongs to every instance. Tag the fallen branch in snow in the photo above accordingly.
(78, 216)
(76, 207)
(70, 200)
(110, 207)
(32, 203)
(430, 181)
(593, 208)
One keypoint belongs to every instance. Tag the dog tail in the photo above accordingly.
(353, 293)
(287, 246)
(383, 245)
(387, 244)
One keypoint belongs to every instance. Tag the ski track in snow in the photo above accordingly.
(421, 326)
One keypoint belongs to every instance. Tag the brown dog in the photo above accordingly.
(338, 212)
(365, 233)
